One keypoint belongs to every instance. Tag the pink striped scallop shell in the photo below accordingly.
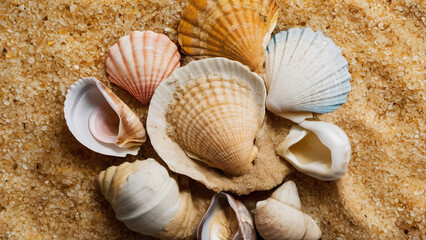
(140, 61)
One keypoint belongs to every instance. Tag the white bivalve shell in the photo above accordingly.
(208, 111)
(147, 200)
(305, 72)
(140, 61)
(279, 217)
(99, 120)
(319, 149)
(226, 219)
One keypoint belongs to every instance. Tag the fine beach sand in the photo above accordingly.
(47, 178)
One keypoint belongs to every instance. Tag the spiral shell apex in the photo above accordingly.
(238, 30)
(140, 61)
(279, 217)
(147, 200)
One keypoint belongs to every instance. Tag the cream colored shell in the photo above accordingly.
(226, 218)
(238, 30)
(279, 217)
(319, 149)
(147, 200)
(218, 119)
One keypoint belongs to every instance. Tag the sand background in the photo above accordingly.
(47, 178)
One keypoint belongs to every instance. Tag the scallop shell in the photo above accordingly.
(318, 149)
(226, 218)
(140, 61)
(238, 30)
(306, 72)
(209, 110)
(147, 200)
(279, 217)
(99, 120)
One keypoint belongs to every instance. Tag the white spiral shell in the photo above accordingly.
(147, 200)
(279, 217)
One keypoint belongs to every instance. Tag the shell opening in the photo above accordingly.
(224, 225)
(104, 123)
(310, 149)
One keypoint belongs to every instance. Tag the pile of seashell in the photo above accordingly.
(209, 111)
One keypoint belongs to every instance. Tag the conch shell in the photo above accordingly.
(209, 110)
(238, 30)
(99, 120)
(226, 218)
(147, 200)
(279, 217)
(319, 149)
(140, 61)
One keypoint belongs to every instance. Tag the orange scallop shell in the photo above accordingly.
(238, 30)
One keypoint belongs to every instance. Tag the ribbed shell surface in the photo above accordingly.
(215, 119)
(235, 29)
(140, 61)
(306, 71)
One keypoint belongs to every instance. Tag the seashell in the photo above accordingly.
(147, 200)
(140, 61)
(306, 72)
(226, 218)
(99, 120)
(238, 30)
(279, 217)
(209, 110)
(319, 149)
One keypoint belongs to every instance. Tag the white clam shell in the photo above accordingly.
(214, 226)
(82, 99)
(319, 149)
(306, 72)
(148, 200)
(140, 61)
(158, 127)
(279, 217)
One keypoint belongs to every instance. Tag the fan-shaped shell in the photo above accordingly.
(226, 218)
(99, 120)
(238, 30)
(305, 72)
(147, 200)
(211, 110)
(279, 217)
(319, 149)
(140, 61)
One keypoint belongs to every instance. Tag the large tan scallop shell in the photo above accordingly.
(140, 61)
(238, 30)
(215, 119)
(209, 110)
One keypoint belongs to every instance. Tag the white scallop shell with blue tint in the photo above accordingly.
(305, 72)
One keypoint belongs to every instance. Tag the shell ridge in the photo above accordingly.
(131, 75)
(138, 61)
(115, 71)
